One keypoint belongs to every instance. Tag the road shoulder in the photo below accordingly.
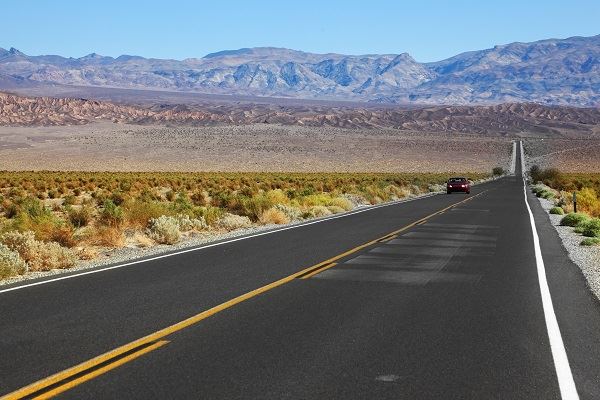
(577, 309)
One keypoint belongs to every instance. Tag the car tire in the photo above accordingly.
(448, 192)
(469, 192)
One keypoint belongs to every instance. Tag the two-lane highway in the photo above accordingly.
(433, 298)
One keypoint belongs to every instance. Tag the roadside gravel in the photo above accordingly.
(587, 258)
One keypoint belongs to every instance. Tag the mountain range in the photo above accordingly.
(550, 72)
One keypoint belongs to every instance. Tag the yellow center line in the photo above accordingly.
(389, 238)
(318, 270)
(71, 384)
(158, 335)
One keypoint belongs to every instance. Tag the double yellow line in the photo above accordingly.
(69, 378)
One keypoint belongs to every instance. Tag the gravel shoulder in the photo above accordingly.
(587, 258)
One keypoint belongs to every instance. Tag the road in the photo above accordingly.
(433, 298)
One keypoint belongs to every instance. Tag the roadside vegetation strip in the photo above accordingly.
(559, 354)
(157, 336)
(69, 217)
(558, 189)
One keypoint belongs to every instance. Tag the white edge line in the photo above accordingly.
(206, 246)
(513, 161)
(568, 391)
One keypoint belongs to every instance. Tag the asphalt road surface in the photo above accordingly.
(437, 298)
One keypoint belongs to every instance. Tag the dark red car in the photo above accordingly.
(458, 185)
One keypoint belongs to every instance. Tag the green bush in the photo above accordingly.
(591, 228)
(573, 219)
(590, 241)
(543, 191)
(497, 171)
(210, 214)
(80, 216)
(111, 215)
(557, 210)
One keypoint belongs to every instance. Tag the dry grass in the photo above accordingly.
(273, 216)
(106, 236)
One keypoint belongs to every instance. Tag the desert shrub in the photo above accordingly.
(534, 171)
(557, 210)
(33, 208)
(497, 171)
(545, 193)
(11, 262)
(590, 241)
(394, 192)
(232, 221)
(273, 216)
(107, 236)
(40, 256)
(252, 207)
(550, 176)
(591, 228)
(277, 196)
(318, 211)
(573, 219)
(321, 199)
(11, 210)
(341, 202)
(335, 209)
(587, 200)
(118, 198)
(210, 214)
(358, 200)
(138, 213)
(187, 224)
(165, 229)
(182, 205)
(68, 200)
(45, 226)
(111, 214)
(170, 195)
(201, 198)
(292, 213)
(81, 216)
(62, 234)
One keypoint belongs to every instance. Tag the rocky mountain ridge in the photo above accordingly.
(551, 72)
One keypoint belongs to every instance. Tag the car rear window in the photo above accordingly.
(457, 180)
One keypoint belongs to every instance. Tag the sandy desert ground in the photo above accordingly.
(106, 146)
(568, 155)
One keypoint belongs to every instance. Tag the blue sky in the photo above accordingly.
(428, 30)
